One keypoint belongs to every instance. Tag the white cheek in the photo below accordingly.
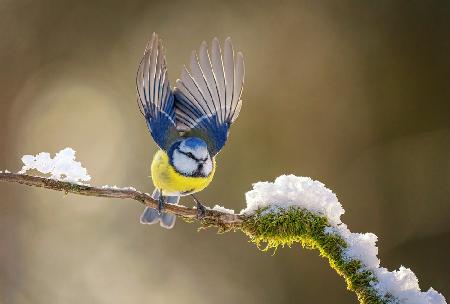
(183, 163)
(199, 152)
(207, 167)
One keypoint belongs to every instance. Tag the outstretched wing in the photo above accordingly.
(208, 97)
(155, 97)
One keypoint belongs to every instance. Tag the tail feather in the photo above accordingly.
(152, 216)
(167, 220)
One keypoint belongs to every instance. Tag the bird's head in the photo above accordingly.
(190, 157)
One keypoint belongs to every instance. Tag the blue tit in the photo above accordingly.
(190, 123)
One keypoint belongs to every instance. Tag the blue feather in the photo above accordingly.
(207, 98)
(205, 102)
(155, 97)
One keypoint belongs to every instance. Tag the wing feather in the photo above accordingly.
(207, 97)
(217, 67)
(239, 74)
(199, 80)
(193, 91)
(152, 71)
(208, 75)
(228, 64)
(155, 97)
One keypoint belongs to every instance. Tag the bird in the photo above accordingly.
(190, 122)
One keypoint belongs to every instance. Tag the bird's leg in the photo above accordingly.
(160, 202)
(201, 210)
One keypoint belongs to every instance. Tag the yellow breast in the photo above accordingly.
(171, 182)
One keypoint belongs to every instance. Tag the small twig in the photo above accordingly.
(225, 221)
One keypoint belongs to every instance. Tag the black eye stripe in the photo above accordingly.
(199, 171)
(189, 154)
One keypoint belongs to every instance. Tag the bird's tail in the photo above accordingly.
(152, 216)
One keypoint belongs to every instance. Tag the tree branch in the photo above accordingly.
(222, 220)
(273, 229)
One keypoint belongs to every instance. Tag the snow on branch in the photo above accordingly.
(291, 209)
(62, 167)
(290, 193)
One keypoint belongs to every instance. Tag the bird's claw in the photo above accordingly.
(201, 211)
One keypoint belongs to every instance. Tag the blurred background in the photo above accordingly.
(352, 93)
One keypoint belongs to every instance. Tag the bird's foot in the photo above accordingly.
(201, 210)
(160, 204)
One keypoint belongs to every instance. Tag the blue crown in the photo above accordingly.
(194, 142)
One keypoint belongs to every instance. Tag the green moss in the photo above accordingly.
(270, 230)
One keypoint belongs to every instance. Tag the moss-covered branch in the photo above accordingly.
(268, 230)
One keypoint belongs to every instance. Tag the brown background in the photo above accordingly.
(353, 93)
